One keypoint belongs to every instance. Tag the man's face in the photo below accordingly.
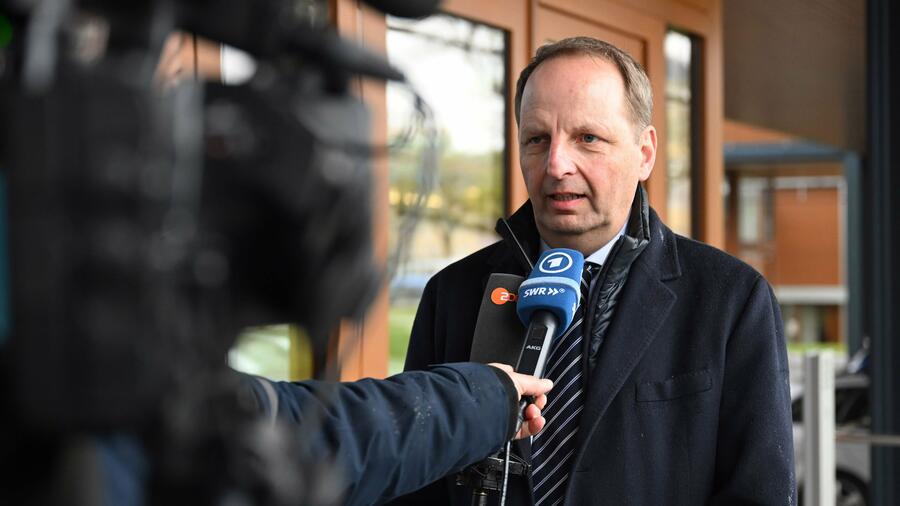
(580, 154)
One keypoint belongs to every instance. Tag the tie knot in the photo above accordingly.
(590, 269)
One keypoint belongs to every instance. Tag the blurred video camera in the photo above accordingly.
(145, 229)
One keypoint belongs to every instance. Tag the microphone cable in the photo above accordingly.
(505, 474)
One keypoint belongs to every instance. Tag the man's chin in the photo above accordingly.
(566, 225)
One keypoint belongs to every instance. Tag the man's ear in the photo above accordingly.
(647, 144)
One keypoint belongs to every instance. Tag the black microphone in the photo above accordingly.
(498, 330)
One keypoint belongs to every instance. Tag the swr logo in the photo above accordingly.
(501, 296)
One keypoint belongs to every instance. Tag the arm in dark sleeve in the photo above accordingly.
(420, 353)
(396, 435)
(755, 456)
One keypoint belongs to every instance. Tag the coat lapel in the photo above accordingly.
(645, 305)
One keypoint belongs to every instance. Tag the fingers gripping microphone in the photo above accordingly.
(547, 303)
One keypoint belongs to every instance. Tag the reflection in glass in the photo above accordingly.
(679, 102)
(752, 210)
(278, 352)
(459, 68)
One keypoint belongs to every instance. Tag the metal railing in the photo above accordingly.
(869, 439)
(820, 435)
(818, 428)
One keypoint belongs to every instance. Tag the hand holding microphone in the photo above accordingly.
(534, 389)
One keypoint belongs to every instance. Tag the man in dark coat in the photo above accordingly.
(682, 392)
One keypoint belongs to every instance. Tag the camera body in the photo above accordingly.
(145, 229)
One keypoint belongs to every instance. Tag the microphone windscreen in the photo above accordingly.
(554, 285)
(406, 8)
(499, 334)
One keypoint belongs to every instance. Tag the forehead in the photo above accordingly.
(574, 82)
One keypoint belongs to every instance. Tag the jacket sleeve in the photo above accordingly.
(420, 353)
(755, 456)
(396, 435)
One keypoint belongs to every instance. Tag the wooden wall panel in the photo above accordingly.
(552, 25)
(712, 104)
(807, 235)
(737, 132)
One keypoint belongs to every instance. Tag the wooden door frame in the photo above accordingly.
(362, 348)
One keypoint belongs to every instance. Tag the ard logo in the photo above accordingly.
(501, 296)
(555, 262)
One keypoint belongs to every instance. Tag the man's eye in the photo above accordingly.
(590, 138)
(534, 140)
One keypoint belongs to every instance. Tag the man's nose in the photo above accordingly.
(559, 159)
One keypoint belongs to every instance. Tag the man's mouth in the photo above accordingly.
(564, 197)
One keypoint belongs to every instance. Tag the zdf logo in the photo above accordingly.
(501, 296)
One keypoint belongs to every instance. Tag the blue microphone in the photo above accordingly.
(547, 303)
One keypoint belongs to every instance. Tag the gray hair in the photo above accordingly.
(637, 86)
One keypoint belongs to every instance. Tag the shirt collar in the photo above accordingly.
(598, 257)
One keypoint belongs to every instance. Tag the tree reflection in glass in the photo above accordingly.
(459, 68)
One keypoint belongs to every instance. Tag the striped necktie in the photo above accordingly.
(553, 449)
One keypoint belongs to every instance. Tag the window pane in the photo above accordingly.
(752, 210)
(459, 68)
(263, 351)
(679, 104)
(277, 352)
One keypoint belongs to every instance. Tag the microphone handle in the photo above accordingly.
(538, 338)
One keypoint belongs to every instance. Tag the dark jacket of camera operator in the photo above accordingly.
(390, 437)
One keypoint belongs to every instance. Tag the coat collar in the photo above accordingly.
(521, 238)
(523, 242)
(661, 256)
